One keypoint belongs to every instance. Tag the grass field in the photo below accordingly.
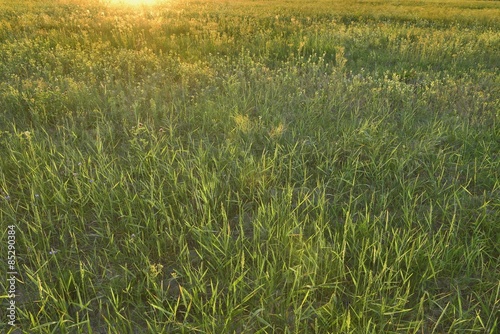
(250, 166)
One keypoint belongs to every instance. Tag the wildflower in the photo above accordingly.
(155, 269)
(26, 135)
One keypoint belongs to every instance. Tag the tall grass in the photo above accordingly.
(252, 167)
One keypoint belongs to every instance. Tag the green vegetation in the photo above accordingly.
(251, 166)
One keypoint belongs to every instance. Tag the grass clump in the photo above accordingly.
(200, 167)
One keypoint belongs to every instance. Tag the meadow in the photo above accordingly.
(251, 166)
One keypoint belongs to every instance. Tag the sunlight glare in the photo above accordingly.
(135, 2)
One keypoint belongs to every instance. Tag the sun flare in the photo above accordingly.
(136, 2)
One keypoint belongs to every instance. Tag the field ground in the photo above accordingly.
(251, 166)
